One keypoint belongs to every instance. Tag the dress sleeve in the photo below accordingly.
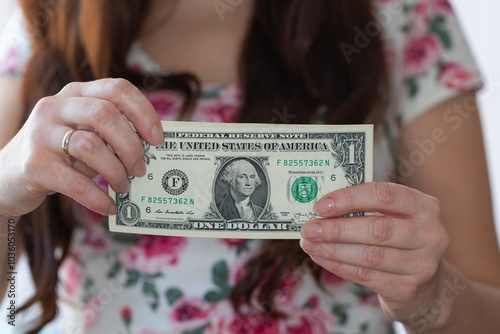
(15, 46)
(437, 63)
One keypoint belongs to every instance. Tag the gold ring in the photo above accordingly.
(65, 141)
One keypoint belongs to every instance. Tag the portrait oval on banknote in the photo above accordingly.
(241, 189)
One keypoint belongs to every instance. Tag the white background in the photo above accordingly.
(481, 25)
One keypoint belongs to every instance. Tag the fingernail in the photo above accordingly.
(311, 231)
(124, 186)
(112, 210)
(139, 168)
(309, 247)
(323, 207)
(157, 134)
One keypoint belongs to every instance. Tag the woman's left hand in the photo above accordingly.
(396, 252)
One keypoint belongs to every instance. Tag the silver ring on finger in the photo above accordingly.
(65, 141)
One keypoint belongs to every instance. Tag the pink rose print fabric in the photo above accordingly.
(122, 284)
(153, 254)
(167, 104)
(421, 53)
(10, 62)
(455, 77)
(436, 62)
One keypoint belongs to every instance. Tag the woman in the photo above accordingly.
(295, 62)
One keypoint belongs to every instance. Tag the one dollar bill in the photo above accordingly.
(241, 180)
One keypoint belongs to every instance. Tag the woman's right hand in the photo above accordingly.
(34, 165)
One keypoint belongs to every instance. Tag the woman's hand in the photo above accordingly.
(34, 164)
(396, 252)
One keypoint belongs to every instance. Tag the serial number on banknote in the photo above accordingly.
(168, 200)
(241, 180)
(300, 163)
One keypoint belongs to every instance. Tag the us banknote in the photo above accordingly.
(241, 180)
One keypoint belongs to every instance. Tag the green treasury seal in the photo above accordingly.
(304, 189)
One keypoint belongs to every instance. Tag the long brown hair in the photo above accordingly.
(291, 67)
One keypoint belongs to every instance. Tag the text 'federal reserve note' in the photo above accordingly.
(256, 181)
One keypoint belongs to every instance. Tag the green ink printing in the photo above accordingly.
(304, 189)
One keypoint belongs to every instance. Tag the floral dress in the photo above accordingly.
(120, 283)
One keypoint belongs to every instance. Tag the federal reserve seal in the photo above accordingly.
(175, 182)
(304, 189)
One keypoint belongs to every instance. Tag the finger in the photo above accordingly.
(103, 117)
(384, 197)
(371, 230)
(390, 286)
(81, 167)
(380, 258)
(91, 150)
(68, 181)
(128, 99)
